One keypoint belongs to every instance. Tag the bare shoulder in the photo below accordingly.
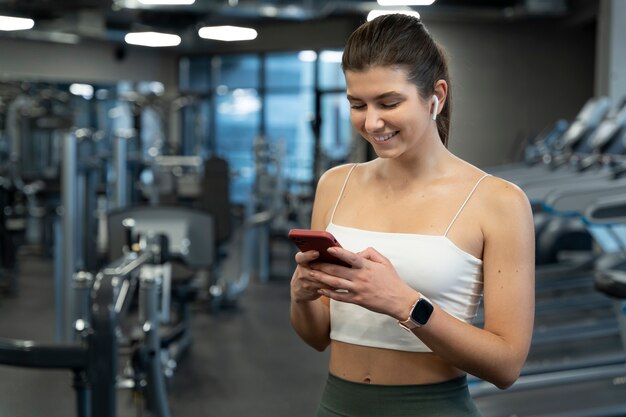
(501, 194)
(504, 203)
(334, 177)
(327, 192)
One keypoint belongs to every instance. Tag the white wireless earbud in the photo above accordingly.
(435, 107)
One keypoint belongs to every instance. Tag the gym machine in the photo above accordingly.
(536, 392)
(102, 304)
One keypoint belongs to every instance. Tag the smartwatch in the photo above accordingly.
(419, 315)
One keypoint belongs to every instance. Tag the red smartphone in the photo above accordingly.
(318, 240)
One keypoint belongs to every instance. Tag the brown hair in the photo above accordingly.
(404, 41)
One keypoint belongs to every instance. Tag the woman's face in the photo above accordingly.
(387, 110)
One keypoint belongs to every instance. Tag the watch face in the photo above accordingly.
(422, 311)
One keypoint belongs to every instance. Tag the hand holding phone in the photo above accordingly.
(318, 240)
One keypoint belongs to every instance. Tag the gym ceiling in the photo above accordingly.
(70, 21)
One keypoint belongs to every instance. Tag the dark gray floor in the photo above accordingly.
(244, 362)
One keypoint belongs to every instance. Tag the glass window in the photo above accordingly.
(288, 121)
(235, 71)
(331, 76)
(289, 70)
(229, 124)
(237, 125)
(336, 129)
(194, 74)
(195, 128)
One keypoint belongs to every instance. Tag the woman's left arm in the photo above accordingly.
(495, 353)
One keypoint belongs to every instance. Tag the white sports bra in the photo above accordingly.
(450, 277)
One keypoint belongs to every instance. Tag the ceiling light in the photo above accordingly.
(331, 56)
(227, 33)
(307, 56)
(375, 13)
(15, 23)
(405, 2)
(83, 90)
(152, 39)
(167, 2)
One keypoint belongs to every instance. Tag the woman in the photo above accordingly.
(426, 234)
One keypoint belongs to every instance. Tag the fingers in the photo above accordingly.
(330, 282)
(304, 258)
(373, 255)
(304, 287)
(337, 295)
(348, 257)
(312, 286)
(357, 259)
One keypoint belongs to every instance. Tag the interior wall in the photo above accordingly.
(511, 81)
(87, 61)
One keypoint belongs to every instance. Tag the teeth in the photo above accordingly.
(384, 138)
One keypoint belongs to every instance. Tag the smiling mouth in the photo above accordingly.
(384, 138)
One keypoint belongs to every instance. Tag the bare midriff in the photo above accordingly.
(371, 365)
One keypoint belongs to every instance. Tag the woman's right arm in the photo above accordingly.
(310, 318)
(310, 312)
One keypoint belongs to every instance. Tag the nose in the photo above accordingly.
(373, 121)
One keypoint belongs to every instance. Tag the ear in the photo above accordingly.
(441, 91)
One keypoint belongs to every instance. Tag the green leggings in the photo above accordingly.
(352, 399)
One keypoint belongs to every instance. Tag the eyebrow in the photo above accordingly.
(378, 97)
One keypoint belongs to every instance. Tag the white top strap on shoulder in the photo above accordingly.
(332, 216)
(465, 202)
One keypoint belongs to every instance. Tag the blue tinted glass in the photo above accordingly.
(237, 125)
(235, 71)
(194, 74)
(288, 70)
(331, 76)
(195, 126)
(288, 126)
(336, 128)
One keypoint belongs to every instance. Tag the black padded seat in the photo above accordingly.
(610, 211)
(611, 282)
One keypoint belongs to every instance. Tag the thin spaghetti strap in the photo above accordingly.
(464, 203)
(332, 216)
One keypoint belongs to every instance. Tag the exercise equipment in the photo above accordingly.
(604, 214)
(93, 358)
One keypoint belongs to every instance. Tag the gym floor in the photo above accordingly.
(244, 361)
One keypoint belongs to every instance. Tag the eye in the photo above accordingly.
(357, 106)
(389, 105)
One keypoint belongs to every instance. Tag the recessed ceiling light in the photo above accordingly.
(375, 13)
(307, 56)
(8, 23)
(331, 56)
(167, 2)
(152, 39)
(83, 90)
(227, 33)
(405, 2)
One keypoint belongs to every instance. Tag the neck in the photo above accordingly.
(427, 161)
